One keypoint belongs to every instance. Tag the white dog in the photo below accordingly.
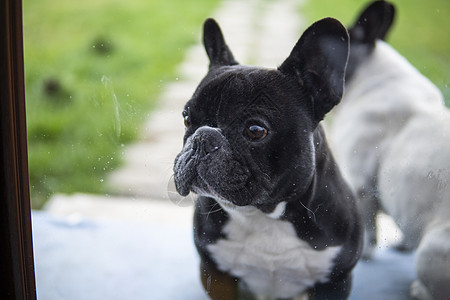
(391, 137)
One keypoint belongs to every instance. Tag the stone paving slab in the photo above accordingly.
(79, 207)
(95, 259)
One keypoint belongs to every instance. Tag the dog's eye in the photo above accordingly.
(256, 132)
(187, 121)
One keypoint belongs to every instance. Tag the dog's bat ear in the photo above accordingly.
(373, 23)
(218, 52)
(318, 60)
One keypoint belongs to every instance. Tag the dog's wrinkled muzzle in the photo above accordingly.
(198, 146)
(207, 165)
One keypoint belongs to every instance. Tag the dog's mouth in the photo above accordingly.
(215, 175)
(228, 198)
(228, 205)
(208, 191)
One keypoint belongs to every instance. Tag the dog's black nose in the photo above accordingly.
(207, 140)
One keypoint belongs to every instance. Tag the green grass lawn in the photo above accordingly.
(421, 32)
(93, 71)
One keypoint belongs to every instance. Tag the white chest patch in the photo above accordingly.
(267, 254)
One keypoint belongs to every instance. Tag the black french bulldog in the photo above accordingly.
(273, 214)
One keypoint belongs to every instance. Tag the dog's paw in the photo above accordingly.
(368, 248)
(419, 292)
(403, 247)
(367, 253)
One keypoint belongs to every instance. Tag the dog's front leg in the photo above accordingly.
(370, 208)
(217, 284)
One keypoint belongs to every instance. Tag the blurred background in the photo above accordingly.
(94, 70)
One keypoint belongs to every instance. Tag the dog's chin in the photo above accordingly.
(229, 206)
(209, 192)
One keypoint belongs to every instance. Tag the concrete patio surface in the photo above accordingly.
(136, 243)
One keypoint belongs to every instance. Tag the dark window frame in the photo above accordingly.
(17, 279)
